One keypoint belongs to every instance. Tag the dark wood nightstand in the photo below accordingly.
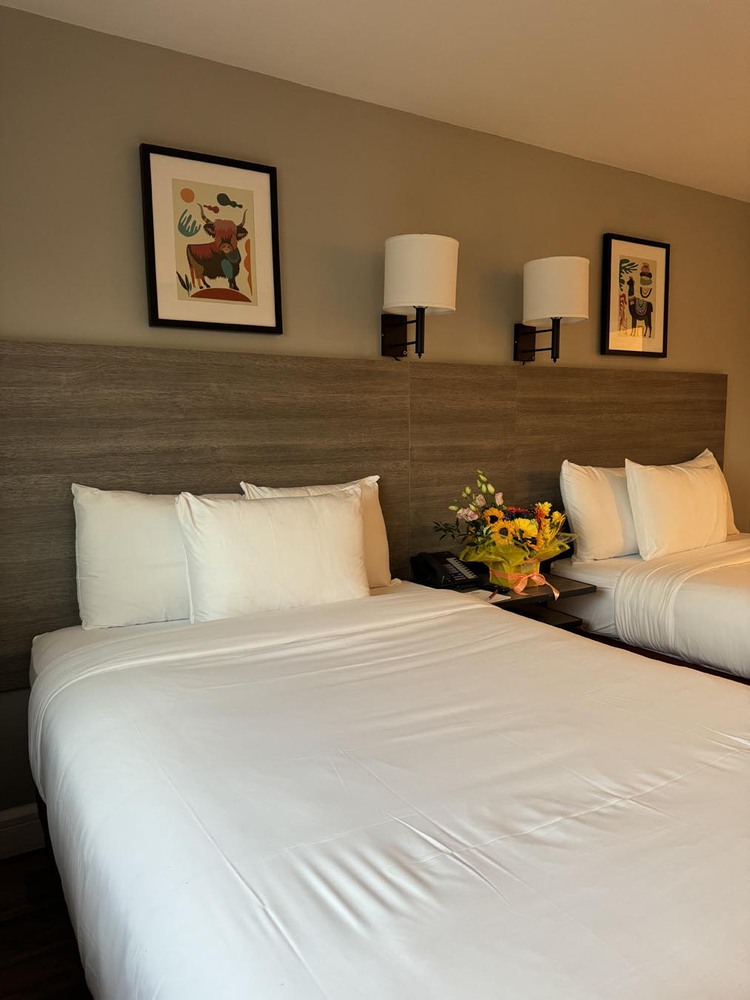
(539, 602)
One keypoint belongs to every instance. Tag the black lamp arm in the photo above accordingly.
(524, 341)
(393, 327)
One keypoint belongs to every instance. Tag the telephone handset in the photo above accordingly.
(443, 569)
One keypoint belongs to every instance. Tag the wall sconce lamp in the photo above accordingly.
(555, 290)
(420, 276)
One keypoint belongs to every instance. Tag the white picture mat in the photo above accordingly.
(163, 170)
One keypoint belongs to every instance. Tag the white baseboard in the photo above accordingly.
(20, 830)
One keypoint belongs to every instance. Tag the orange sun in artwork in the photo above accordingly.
(187, 194)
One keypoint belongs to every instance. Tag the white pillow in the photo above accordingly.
(130, 560)
(707, 459)
(376, 539)
(597, 504)
(676, 507)
(272, 554)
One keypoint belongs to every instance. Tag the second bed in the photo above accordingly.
(694, 605)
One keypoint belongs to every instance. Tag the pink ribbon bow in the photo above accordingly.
(519, 582)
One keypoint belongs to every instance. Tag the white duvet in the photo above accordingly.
(399, 798)
(695, 605)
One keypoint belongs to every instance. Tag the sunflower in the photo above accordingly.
(494, 532)
(526, 527)
(492, 515)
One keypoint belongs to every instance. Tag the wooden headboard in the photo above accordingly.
(161, 421)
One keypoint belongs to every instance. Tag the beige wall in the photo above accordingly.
(76, 104)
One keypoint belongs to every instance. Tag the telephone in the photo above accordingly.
(443, 569)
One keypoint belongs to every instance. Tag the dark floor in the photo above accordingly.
(651, 655)
(38, 953)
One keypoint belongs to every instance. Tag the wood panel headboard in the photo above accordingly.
(161, 421)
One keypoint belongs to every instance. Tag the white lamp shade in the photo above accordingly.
(420, 270)
(556, 287)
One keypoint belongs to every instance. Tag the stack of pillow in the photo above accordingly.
(653, 510)
(143, 558)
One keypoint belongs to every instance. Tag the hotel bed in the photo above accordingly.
(694, 605)
(671, 570)
(408, 795)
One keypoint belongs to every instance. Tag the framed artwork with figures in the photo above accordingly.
(212, 241)
(635, 296)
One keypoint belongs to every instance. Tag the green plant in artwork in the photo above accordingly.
(626, 267)
(187, 224)
(185, 282)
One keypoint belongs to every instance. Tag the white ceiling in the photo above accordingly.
(657, 86)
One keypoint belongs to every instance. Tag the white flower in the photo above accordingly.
(498, 499)
(479, 500)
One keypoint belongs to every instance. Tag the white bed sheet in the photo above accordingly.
(47, 647)
(415, 796)
(695, 605)
(597, 610)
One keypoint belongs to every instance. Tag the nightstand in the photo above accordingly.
(539, 602)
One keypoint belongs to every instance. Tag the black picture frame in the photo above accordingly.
(232, 279)
(634, 325)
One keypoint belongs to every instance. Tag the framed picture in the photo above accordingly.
(212, 242)
(635, 296)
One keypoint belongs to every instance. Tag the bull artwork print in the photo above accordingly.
(212, 241)
(221, 268)
(220, 258)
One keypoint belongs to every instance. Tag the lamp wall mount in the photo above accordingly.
(524, 341)
(394, 331)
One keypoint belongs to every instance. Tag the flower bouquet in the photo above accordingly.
(511, 541)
